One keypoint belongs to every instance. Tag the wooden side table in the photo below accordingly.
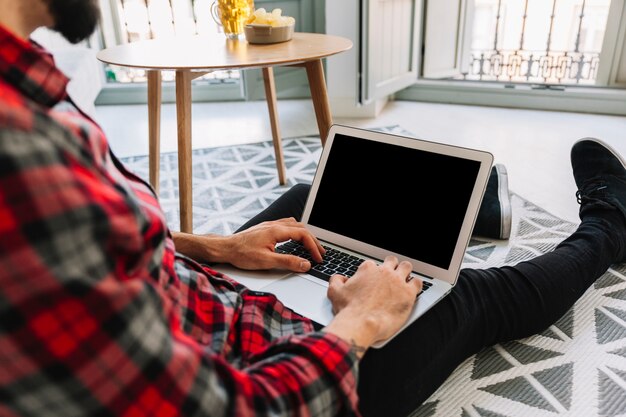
(192, 57)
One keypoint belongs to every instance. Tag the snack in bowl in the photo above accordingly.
(264, 27)
(274, 19)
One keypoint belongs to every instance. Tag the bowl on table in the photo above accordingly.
(260, 33)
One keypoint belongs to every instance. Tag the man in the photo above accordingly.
(102, 314)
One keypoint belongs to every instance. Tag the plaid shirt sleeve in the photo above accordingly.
(85, 327)
(98, 315)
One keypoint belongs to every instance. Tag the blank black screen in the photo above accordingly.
(403, 200)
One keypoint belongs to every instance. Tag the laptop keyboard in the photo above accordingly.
(335, 262)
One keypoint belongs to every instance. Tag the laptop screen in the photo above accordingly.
(408, 201)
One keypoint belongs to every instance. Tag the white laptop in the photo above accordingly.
(376, 194)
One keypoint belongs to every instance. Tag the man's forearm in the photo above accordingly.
(205, 248)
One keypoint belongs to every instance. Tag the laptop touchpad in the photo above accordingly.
(304, 297)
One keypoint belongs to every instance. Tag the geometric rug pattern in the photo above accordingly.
(233, 183)
(575, 368)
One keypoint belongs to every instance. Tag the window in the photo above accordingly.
(551, 42)
(133, 20)
(567, 55)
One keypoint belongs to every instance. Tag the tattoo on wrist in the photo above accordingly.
(357, 349)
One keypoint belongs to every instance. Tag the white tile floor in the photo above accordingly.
(533, 145)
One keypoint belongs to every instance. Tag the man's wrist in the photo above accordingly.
(357, 328)
(358, 349)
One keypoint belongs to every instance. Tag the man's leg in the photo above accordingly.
(494, 216)
(290, 204)
(485, 307)
(493, 221)
(500, 304)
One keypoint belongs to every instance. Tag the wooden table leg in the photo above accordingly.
(317, 84)
(270, 96)
(154, 127)
(183, 116)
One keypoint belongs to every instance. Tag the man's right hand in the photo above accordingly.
(373, 304)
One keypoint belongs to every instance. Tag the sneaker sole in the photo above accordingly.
(505, 201)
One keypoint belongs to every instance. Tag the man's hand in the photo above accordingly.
(253, 248)
(374, 303)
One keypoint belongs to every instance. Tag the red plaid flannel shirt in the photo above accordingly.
(99, 316)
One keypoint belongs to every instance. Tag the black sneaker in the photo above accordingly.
(600, 175)
(494, 215)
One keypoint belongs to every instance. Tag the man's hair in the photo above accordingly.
(76, 20)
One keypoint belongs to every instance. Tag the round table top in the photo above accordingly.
(206, 52)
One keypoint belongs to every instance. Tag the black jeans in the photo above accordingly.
(485, 307)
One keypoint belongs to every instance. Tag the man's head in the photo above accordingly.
(76, 20)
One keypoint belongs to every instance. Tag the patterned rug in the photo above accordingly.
(575, 368)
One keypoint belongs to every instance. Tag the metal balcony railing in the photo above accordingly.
(549, 67)
(579, 30)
